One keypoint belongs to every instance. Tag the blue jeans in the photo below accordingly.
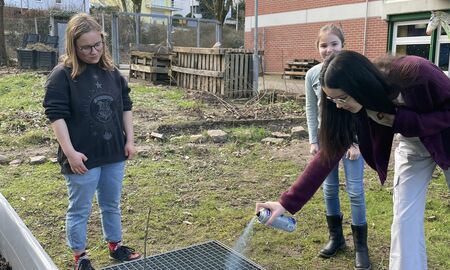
(354, 172)
(104, 181)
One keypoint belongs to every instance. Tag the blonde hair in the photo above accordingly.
(78, 25)
(331, 29)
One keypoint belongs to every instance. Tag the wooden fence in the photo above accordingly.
(222, 71)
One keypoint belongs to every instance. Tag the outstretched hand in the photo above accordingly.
(275, 207)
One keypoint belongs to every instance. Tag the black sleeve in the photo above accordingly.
(57, 95)
(127, 103)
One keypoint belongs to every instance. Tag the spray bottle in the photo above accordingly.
(282, 222)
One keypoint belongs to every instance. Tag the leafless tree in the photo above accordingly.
(137, 4)
(218, 8)
(124, 5)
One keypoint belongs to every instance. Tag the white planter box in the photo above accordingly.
(17, 245)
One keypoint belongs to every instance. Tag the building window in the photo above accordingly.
(161, 3)
(410, 39)
(195, 9)
(58, 1)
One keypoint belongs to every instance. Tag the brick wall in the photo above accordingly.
(284, 43)
(275, 6)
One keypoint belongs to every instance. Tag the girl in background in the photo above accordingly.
(331, 39)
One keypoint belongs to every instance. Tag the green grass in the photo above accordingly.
(195, 192)
(244, 134)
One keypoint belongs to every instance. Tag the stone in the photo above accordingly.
(299, 132)
(271, 140)
(15, 162)
(158, 136)
(197, 138)
(217, 135)
(281, 135)
(38, 160)
(3, 160)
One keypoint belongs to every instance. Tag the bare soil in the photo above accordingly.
(279, 83)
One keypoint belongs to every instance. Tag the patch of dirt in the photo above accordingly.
(268, 110)
(9, 70)
(297, 152)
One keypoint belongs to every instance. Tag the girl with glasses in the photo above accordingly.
(408, 96)
(88, 104)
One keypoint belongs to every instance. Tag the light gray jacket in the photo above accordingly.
(313, 94)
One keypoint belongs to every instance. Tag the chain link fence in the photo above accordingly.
(152, 29)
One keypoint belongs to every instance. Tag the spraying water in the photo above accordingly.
(240, 246)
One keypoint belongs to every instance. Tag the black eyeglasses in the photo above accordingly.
(88, 48)
(338, 100)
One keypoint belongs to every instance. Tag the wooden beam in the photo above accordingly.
(149, 69)
(295, 73)
(210, 73)
(149, 55)
(198, 50)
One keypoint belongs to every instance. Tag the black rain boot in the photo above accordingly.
(337, 240)
(362, 261)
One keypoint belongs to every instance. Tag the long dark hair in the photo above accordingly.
(358, 77)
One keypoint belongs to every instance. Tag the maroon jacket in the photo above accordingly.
(426, 114)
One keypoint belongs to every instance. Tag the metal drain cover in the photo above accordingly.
(211, 255)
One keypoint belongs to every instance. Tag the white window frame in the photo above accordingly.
(408, 40)
(442, 39)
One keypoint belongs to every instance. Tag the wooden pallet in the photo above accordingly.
(222, 71)
(149, 63)
(297, 68)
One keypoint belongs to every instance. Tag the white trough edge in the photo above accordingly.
(17, 245)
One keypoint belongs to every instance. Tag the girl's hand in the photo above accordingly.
(314, 148)
(130, 150)
(275, 207)
(76, 162)
(353, 152)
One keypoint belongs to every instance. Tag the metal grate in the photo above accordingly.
(211, 255)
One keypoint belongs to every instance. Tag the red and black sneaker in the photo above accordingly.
(122, 253)
(83, 263)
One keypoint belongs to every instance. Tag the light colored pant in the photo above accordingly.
(104, 181)
(354, 172)
(413, 172)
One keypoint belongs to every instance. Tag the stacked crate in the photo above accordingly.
(297, 68)
(150, 63)
(27, 57)
(47, 59)
(38, 52)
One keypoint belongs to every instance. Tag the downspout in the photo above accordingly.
(365, 28)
